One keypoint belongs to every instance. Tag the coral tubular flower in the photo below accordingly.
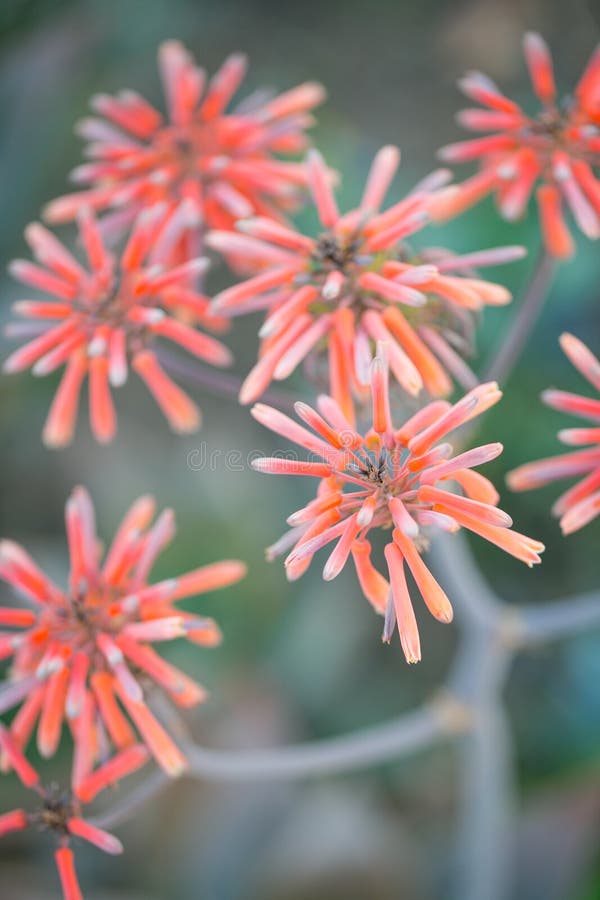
(402, 478)
(357, 283)
(61, 812)
(581, 503)
(557, 150)
(84, 655)
(107, 316)
(226, 163)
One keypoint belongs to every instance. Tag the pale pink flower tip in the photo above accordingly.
(558, 151)
(406, 479)
(227, 161)
(107, 314)
(580, 504)
(356, 283)
(84, 656)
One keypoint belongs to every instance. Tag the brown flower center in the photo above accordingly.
(56, 810)
(332, 254)
(77, 624)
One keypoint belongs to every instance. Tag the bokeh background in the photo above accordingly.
(304, 661)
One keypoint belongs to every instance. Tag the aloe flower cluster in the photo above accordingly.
(581, 503)
(83, 655)
(558, 149)
(225, 162)
(382, 323)
(401, 478)
(358, 282)
(106, 316)
(59, 812)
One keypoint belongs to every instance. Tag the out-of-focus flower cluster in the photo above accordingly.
(581, 503)
(80, 654)
(59, 812)
(107, 316)
(353, 302)
(84, 656)
(358, 282)
(225, 162)
(558, 149)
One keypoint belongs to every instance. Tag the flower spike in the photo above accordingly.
(225, 162)
(558, 151)
(357, 283)
(107, 316)
(579, 505)
(60, 812)
(84, 655)
(405, 479)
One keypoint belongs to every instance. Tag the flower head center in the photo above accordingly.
(85, 615)
(374, 470)
(336, 265)
(184, 151)
(555, 128)
(333, 254)
(549, 121)
(383, 470)
(54, 813)
(107, 301)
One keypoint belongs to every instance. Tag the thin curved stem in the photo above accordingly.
(383, 743)
(127, 806)
(531, 306)
(413, 731)
(470, 707)
(224, 384)
(474, 682)
(487, 831)
(563, 618)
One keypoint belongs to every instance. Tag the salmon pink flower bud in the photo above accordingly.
(580, 504)
(405, 479)
(356, 283)
(84, 655)
(557, 150)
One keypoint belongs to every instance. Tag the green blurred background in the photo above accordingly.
(305, 660)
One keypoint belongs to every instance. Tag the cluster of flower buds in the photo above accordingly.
(357, 304)
(581, 503)
(405, 478)
(84, 656)
(357, 283)
(59, 812)
(557, 150)
(226, 162)
(80, 654)
(106, 316)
